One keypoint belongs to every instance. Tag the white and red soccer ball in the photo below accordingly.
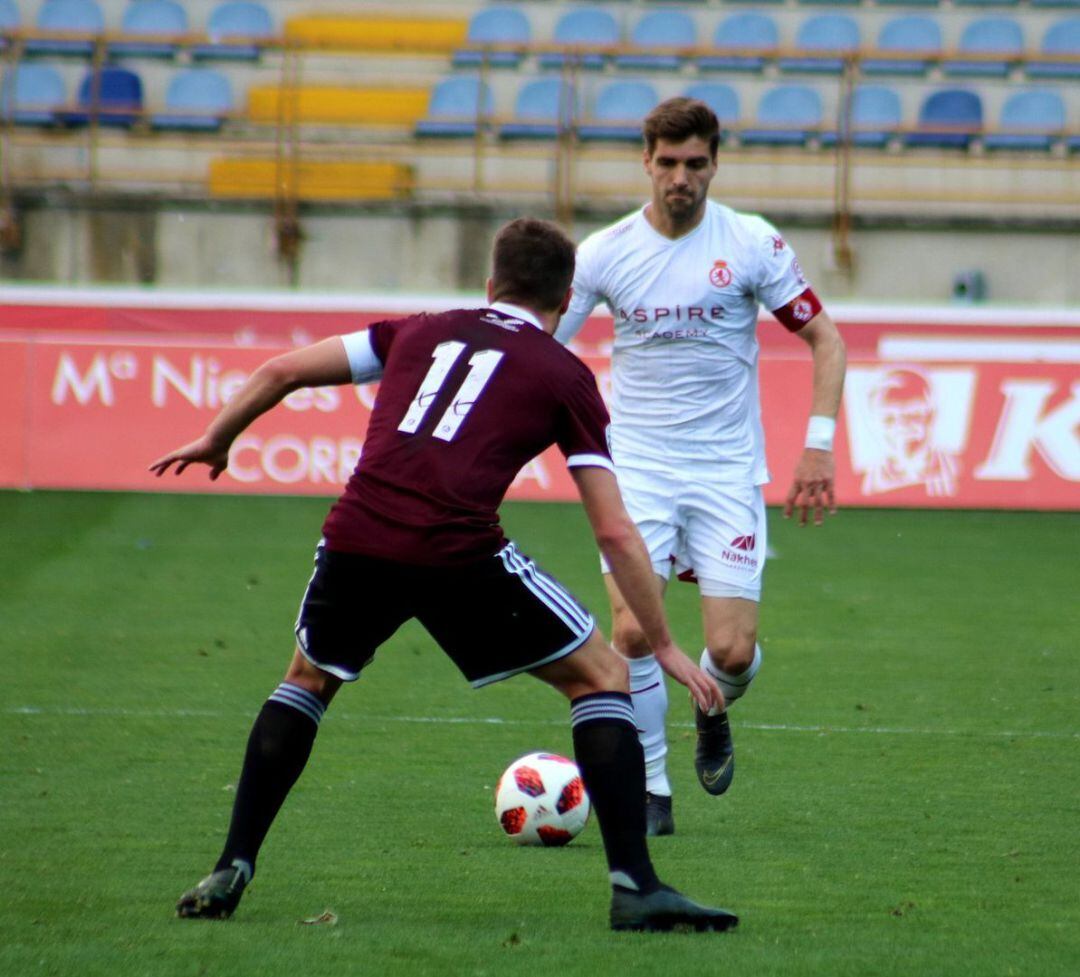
(541, 800)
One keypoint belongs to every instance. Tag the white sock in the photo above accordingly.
(733, 686)
(648, 692)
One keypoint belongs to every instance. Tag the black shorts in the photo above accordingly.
(494, 618)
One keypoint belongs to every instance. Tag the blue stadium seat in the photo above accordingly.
(1074, 4)
(231, 26)
(826, 33)
(70, 17)
(119, 98)
(787, 116)
(1030, 119)
(909, 3)
(619, 110)
(750, 31)
(905, 35)
(32, 94)
(458, 106)
(948, 119)
(587, 27)
(495, 25)
(988, 35)
(987, 3)
(197, 100)
(543, 108)
(875, 117)
(1061, 37)
(659, 29)
(10, 20)
(160, 18)
(722, 99)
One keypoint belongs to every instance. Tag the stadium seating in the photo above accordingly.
(659, 29)
(495, 25)
(787, 116)
(70, 17)
(234, 29)
(948, 119)
(32, 94)
(197, 100)
(587, 27)
(618, 112)
(327, 180)
(826, 33)
(155, 18)
(1029, 120)
(458, 106)
(751, 31)
(985, 36)
(1061, 37)
(10, 20)
(875, 117)
(543, 108)
(722, 99)
(911, 35)
(113, 95)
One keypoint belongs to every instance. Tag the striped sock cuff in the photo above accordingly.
(604, 706)
(299, 699)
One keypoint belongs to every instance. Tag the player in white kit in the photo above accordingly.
(684, 278)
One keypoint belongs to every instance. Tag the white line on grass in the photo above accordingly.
(497, 721)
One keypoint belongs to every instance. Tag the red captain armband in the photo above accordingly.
(799, 311)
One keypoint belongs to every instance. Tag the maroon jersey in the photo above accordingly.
(467, 398)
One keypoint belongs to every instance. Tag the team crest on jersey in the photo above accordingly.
(720, 275)
(777, 244)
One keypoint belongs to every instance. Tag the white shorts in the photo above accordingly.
(714, 533)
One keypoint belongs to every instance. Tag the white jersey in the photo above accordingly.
(684, 363)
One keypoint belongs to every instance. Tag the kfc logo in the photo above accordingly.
(908, 427)
(720, 275)
(777, 244)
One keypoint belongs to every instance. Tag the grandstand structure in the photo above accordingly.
(837, 114)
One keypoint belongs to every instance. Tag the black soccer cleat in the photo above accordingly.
(658, 817)
(216, 896)
(714, 756)
(665, 910)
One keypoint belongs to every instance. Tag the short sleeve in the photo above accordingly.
(586, 293)
(583, 430)
(779, 278)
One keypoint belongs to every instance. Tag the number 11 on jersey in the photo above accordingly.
(482, 365)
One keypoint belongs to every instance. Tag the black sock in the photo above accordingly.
(277, 751)
(612, 765)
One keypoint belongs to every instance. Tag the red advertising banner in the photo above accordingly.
(935, 413)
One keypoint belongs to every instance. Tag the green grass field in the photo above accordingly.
(907, 801)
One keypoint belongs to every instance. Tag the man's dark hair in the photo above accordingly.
(679, 119)
(532, 264)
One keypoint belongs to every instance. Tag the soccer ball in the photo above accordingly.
(541, 800)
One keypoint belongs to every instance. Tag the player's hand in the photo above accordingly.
(681, 667)
(812, 487)
(204, 451)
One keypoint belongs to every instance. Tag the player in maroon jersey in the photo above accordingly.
(466, 399)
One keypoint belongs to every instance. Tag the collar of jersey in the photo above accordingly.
(673, 240)
(516, 312)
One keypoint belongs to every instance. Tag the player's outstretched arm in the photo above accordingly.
(319, 365)
(813, 484)
(625, 552)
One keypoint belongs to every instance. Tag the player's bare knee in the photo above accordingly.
(303, 674)
(734, 651)
(628, 638)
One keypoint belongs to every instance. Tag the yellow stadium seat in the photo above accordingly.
(309, 180)
(338, 105)
(401, 34)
